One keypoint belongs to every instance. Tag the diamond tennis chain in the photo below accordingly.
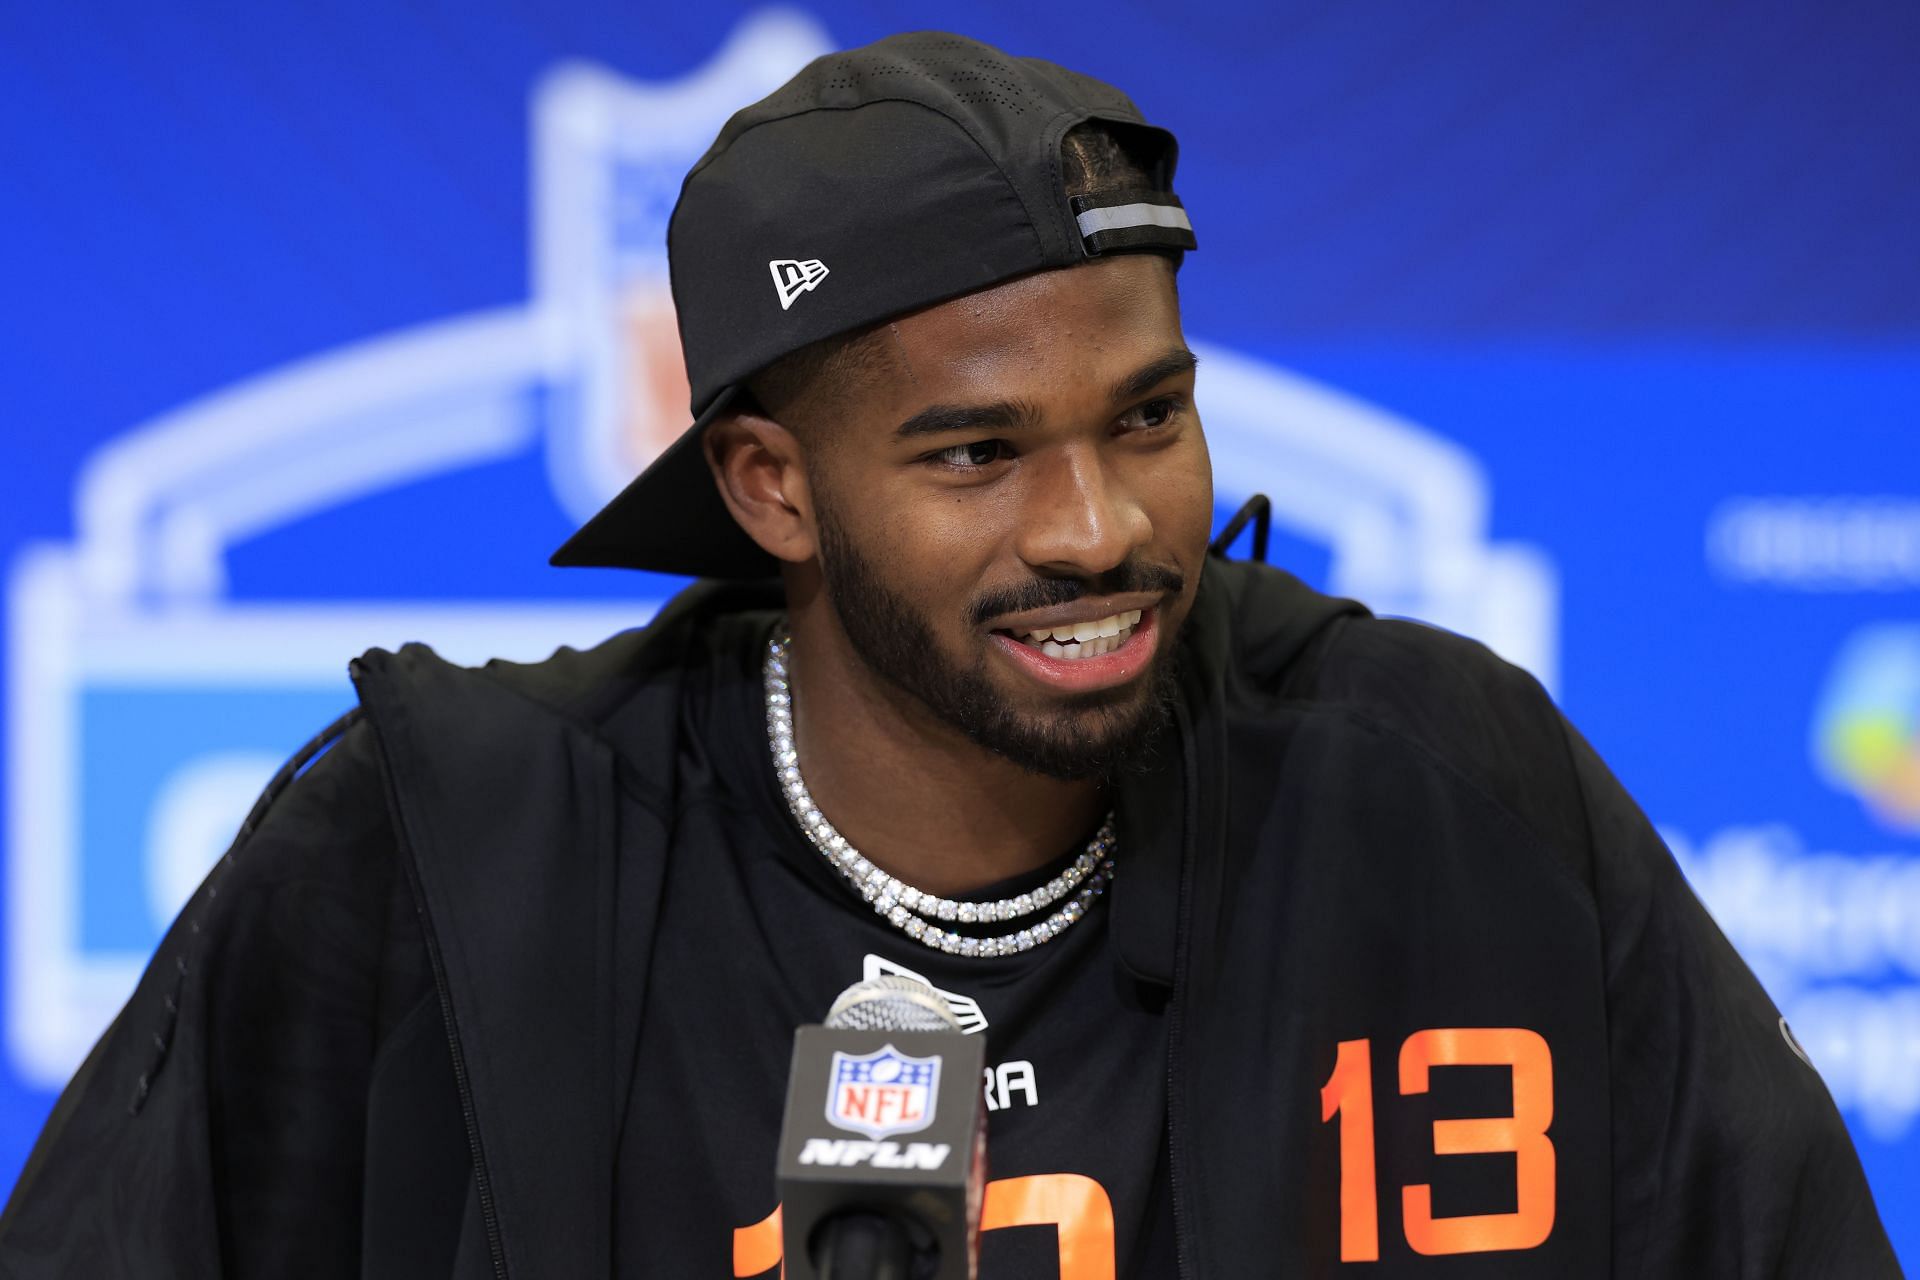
(916, 914)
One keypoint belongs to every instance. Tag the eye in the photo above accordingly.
(972, 455)
(1153, 414)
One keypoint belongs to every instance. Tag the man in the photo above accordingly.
(1300, 939)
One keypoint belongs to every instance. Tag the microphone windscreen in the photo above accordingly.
(891, 1003)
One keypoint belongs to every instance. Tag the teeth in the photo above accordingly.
(1085, 639)
(1082, 632)
(1081, 648)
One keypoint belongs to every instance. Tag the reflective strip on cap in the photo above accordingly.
(1123, 216)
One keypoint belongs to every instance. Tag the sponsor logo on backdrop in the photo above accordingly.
(1866, 726)
(1817, 543)
(1835, 939)
(147, 705)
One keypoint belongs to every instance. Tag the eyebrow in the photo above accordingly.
(1007, 415)
(941, 418)
(1150, 375)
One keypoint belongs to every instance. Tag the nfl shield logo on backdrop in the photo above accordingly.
(882, 1093)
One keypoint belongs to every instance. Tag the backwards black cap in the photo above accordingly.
(875, 182)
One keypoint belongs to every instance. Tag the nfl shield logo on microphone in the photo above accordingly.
(882, 1093)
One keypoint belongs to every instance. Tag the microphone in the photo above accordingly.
(884, 1146)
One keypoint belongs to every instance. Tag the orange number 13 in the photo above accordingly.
(1348, 1094)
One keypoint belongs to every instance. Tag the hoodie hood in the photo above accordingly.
(1252, 627)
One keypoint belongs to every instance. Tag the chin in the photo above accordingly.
(1087, 736)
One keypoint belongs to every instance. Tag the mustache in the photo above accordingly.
(1041, 593)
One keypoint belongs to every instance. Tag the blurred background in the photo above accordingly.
(1591, 330)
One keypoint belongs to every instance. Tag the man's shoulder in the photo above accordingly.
(1295, 644)
(1430, 693)
(586, 687)
(1422, 681)
(312, 869)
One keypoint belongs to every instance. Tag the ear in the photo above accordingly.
(760, 469)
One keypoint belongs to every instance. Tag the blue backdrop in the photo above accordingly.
(1592, 330)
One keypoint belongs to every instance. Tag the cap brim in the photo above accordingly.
(670, 519)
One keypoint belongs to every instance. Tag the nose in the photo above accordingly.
(1079, 519)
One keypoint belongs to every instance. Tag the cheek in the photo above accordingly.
(936, 546)
(1178, 496)
(1203, 503)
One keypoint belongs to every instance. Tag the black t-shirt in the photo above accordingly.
(758, 934)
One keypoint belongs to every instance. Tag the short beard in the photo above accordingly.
(1096, 735)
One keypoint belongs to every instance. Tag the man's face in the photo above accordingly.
(1019, 475)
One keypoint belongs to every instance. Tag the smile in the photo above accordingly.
(1084, 639)
(1084, 655)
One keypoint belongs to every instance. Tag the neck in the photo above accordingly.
(913, 794)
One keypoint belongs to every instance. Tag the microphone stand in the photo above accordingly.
(862, 1246)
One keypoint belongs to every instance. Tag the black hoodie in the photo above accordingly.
(1438, 999)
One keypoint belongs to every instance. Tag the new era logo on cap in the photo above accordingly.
(793, 277)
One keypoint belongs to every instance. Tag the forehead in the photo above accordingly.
(1050, 334)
